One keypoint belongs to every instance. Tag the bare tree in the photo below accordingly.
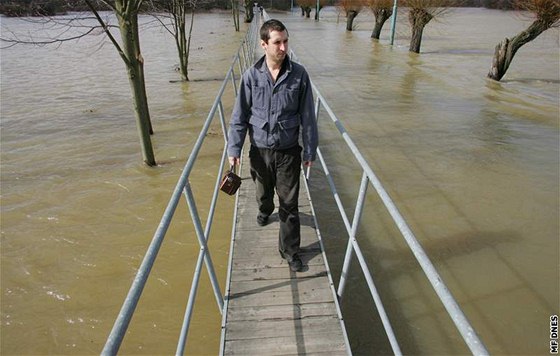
(235, 13)
(382, 11)
(177, 11)
(306, 6)
(351, 8)
(420, 13)
(126, 12)
(127, 16)
(547, 13)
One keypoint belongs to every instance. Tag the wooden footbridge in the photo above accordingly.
(267, 309)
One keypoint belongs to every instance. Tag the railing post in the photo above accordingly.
(355, 223)
(223, 121)
(233, 82)
(379, 304)
(393, 21)
(202, 241)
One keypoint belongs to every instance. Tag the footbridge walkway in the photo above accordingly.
(266, 308)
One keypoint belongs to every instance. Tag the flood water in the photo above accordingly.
(473, 166)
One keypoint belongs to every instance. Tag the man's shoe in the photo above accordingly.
(262, 219)
(295, 263)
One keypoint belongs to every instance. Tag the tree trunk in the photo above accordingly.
(505, 50)
(416, 39)
(317, 12)
(381, 15)
(235, 13)
(179, 23)
(350, 19)
(418, 18)
(128, 24)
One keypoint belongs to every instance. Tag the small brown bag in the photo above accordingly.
(230, 182)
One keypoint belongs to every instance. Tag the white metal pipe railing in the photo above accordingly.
(454, 311)
(460, 320)
(122, 322)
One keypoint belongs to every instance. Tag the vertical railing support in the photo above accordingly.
(393, 21)
(355, 223)
(202, 241)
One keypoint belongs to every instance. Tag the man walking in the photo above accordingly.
(275, 101)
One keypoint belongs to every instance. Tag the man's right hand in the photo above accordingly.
(233, 161)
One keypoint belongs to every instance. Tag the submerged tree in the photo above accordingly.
(177, 11)
(249, 13)
(382, 11)
(351, 9)
(235, 14)
(420, 13)
(126, 12)
(547, 13)
(306, 6)
(127, 16)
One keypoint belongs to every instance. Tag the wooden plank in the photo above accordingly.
(281, 272)
(267, 329)
(269, 259)
(249, 249)
(285, 346)
(255, 237)
(249, 222)
(267, 312)
(268, 298)
(295, 286)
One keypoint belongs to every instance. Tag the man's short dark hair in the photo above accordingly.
(269, 26)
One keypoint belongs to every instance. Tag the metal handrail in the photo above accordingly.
(460, 320)
(114, 340)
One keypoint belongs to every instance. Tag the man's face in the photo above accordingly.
(277, 46)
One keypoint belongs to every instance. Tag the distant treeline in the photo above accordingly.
(15, 8)
(58, 7)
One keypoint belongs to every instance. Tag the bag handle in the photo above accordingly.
(232, 168)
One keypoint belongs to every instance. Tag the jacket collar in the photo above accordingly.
(261, 64)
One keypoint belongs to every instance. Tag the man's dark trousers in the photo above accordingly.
(279, 169)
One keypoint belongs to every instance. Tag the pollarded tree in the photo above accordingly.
(382, 11)
(306, 6)
(420, 13)
(547, 13)
(351, 8)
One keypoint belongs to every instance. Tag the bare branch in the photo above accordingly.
(547, 11)
(107, 32)
(53, 31)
